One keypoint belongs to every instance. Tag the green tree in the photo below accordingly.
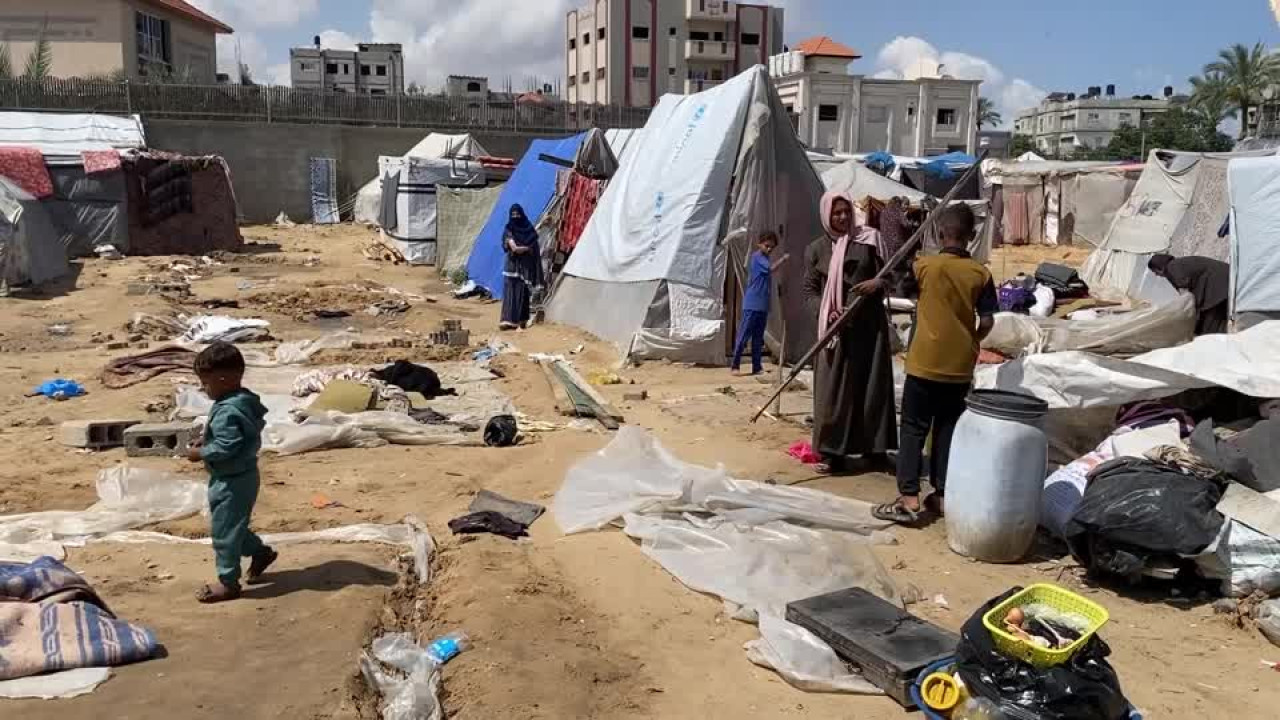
(1209, 98)
(988, 116)
(1246, 74)
(1177, 129)
(1021, 145)
(40, 61)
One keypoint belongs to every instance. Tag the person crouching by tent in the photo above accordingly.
(853, 404)
(1207, 280)
(755, 303)
(523, 271)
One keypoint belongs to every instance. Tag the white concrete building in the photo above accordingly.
(1063, 123)
(371, 69)
(631, 52)
(848, 113)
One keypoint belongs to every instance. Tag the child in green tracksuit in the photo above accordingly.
(229, 451)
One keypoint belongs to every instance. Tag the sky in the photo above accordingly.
(1021, 49)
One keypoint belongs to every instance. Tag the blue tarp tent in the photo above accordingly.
(532, 186)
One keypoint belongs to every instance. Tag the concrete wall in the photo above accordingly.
(271, 163)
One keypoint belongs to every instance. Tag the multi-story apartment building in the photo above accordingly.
(631, 52)
(849, 113)
(1064, 123)
(370, 69)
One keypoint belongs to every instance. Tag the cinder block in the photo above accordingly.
(459, 338)
(450, 325)
(95, 434)
(158, 440)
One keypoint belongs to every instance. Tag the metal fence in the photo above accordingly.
(257, 103)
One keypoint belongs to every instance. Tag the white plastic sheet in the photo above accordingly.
(1254, 187)
(127, 498)
(1247, 362)
(212, 328)
(409, 684)
(57, 685)
(739, 540)
(1149, 327)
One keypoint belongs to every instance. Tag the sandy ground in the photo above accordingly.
(564, 627)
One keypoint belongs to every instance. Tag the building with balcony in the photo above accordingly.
(631, 52)
(370, 69)
(1063, 123)
(141, 38)
(835, 110)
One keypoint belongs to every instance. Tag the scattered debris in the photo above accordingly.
(320, 501)
(636, 396)
(387, 307)
(488, 521)
(60, 330)
(283, 221)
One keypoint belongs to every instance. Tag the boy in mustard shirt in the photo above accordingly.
(956, 310)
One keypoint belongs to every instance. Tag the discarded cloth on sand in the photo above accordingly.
(215, 328)
(133, 369)
(51, 620)
(756, 546)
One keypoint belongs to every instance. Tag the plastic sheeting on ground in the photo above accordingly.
(532, 185)
(1148, 328)
(410, 688)
(214, 328)
(57, 685)
(1247, 362)
(128, 497)
(743, 541)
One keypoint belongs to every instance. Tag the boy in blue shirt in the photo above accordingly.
(229, 451)
(755, 304)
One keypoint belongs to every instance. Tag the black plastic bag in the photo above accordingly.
(1135, 508)
(488, 521)
(501, 431)
(1086, 687)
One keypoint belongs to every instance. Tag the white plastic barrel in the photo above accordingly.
(995, 476)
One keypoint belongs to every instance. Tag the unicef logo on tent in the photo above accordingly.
(698, 114)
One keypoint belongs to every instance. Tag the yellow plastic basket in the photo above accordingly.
(1056, 598)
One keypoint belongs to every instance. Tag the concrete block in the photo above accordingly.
(158, 439)
(95, 434)
(636, 396)
(459, 338)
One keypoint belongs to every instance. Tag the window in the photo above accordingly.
(1125, 118)
(573, 43)
(474, 86)
(331, 68)
(382, 71)
(1093, 117)
(154, 47)
(586, 39)
(946, 117)
(699, 35)
(346, 69)
(671, 32)
(750, 38)
(717, 75)
(600, 33)
(600, 73)
(640, 72)
(366, 70)
(586, 78)
(878, 114)
(377, 91)
(640, 33)
(719, 37)
(828, 113)
(573, 80)
(671, 71)
(305, 66)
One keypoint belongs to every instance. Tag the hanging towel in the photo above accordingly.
(100, 161)
(25, 167)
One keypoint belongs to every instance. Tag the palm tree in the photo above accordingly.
(1209, 98)
(987, 113)
(1247, 73)
(40, 61)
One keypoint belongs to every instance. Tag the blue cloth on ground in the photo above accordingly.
(60, 388)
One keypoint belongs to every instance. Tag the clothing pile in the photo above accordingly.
(401, 387)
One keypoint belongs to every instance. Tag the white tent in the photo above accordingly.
(1255, 235)
(414, 182)
(1177, 206)
(71, 133)
(712, 170)
(853, 178)
(368, 200)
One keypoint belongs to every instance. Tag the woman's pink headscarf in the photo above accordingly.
(833, 292)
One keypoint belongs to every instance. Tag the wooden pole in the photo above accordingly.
(898, 257)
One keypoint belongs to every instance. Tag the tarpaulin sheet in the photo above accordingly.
(414, 231)
(368, 200)
(71, 133)
(858, 182)
(532, 185)
(324, 191)
(460, 216)
(30, 252)
(1247, 362)
(1255, 234)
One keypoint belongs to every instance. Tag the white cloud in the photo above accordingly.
(475, 37)
(337, 40)
(912, 57)
(251, 14)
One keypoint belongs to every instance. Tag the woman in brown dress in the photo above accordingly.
(853, 406)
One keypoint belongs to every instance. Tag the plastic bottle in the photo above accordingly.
(978, 709)
(444, 648)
